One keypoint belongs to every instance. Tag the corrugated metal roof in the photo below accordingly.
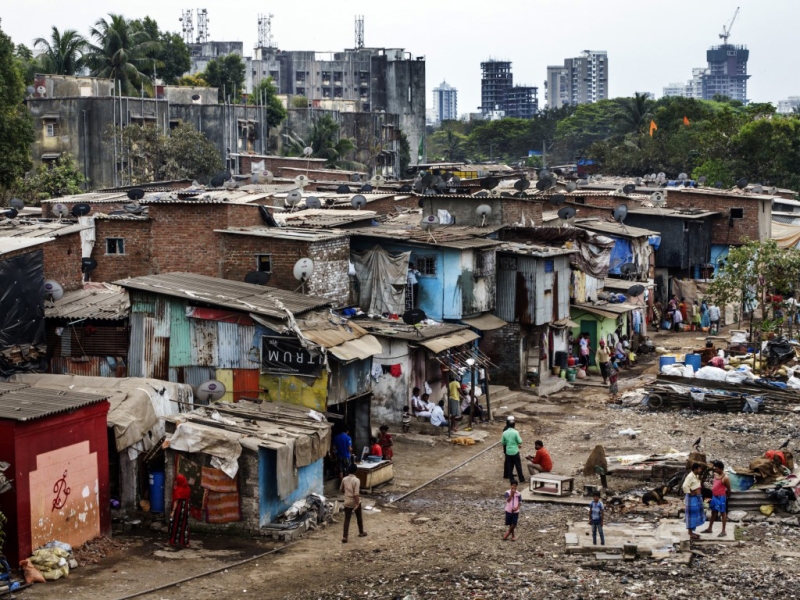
(448, 237)
(12, 244)
(323, 217)
(6, 387)
(614, 228)
(38, 229)
(486, 322)
(399, 330)
(234, 196)
(441, 344)
(27, 403)
(677, 213)
(287, 233)
(90, 198)
(236, 295)
(108, 302)
(359, 349)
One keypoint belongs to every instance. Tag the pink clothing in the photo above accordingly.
(513, 502)
(718, 488)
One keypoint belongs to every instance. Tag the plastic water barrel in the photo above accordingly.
(694, 360)
(157, 492)
(665, 360)
(561, 359)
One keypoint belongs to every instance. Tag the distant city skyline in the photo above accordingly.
(658, 43)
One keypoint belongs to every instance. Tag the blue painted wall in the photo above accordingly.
(309, 481)
(440, 294)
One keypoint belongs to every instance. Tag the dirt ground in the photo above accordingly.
(445, 541)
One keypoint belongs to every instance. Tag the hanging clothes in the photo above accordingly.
(395, 370)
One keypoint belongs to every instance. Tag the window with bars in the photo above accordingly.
(53, 129)
(115, 246)
(426, 265)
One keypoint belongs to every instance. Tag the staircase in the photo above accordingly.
(506, 402)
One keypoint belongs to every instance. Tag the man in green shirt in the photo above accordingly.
(511, 442)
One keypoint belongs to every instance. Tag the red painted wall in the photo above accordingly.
(20, 445)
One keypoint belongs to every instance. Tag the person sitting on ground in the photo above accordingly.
(406, 420)
(418, 405)
(541, 461)
(721, 490)
(466, 407)
(385, 440)
(602, 358)
(437, 415)
(375, 447)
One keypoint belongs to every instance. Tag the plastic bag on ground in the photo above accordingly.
(57, 544)
(711, 373)
(31, 573)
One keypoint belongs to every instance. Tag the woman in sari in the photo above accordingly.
(179, 517)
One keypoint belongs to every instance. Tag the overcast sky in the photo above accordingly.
(650, 43)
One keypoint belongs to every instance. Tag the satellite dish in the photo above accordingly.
(210, 391)
(454, 180)
(135, 194)
(88, 265)
(482, 194)
(81, 210)
(343, 189)
(405, 188)
(308, 151)
(293, 198)
(414, 316)
(366, 188)
(521, 185)
(742, 183)
(53, 290)
(638, 181)
(505, 194)
(771, 191)
(358, 201)
(636, 290)
(20, 204)
(41, 90)
(620, 213)
(429, 222)
(628, 189)
(657, 199)
(313, 202)
(302, 180)
(582, 182)
(257, 278)
(356, 178)
(557, 199)
(378, 180)
(572, 186)
(566, 213)
(544, 183)
(30, 90)
(489, 183)
(230, 185)
(757, 189)
(133, 208)
(421, 202)
(303, 269)
(683, 177)
(483, 211)
(60, 210)
(195, 97)
(217, 181)
(262, 177)
(267, 217)
(9, 213)
(718, 185)
(702, 179)
(544, 174)
(628, 269)
(428, 180)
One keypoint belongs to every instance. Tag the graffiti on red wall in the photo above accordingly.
(60, 488)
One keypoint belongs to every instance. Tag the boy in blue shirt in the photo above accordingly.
(596, 511)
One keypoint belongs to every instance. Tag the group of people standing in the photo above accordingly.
(609, 360)
(699, 315)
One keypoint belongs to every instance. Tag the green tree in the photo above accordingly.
(635, 113)
(193, 80)
(64, 178)
(227, 74)
(590, 123)
(120, 53)
(266, 94)
(325, 142)
(27, 63)
(448, 145)
(16, 126)
(403, 154)
(169, 57)
(63, 53)
(185, 154)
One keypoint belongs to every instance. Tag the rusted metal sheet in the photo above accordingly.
(180, 336)
(348, 380)
(148, 351)
(249, 348)
(143, 302)
(162, 316)
(160, 358)
(191, 375)
(227, 345)
(245, 384)
(507, 283)
(88, 339)
(136, 347)
(204, 343)
(93, 366)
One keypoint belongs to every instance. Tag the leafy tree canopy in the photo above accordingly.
(170, 57)
(266, 94)
(64, 178)
(227, 74)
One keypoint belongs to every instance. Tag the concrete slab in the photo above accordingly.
(712, 538)
(574, 500)
(649, 538)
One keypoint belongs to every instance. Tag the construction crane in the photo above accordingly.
(726, 29)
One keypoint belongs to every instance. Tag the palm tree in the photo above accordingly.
(63, 53)
(636, 112)
(325, 142)
(121, 53)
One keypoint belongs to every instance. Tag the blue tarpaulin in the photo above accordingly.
(654, 241)
(621, 253)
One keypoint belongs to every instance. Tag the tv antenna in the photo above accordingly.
(359, 31)
(265, 30)
(726, 29)
(202, 25)
(187, 26)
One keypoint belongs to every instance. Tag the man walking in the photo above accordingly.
(343, 448)
(351, 487)
(511, 442)
(713, 317)
(602, 357)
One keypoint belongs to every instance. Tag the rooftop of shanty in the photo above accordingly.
(398, 329)
(35, 228)
(12, 244)
(675, 213)
(297, 234)
(613, 228)
(95, 301)
(407, 228)
(246, 297)
(536, 250)
(614, 183)
(21, 402)
(316, 217)
(203, 196)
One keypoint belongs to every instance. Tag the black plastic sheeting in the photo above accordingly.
(22, 300)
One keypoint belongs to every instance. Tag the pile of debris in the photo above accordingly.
(309, 513)
(93, 550)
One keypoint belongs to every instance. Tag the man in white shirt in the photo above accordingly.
(437, 415)
(420, 406)
(713, 316)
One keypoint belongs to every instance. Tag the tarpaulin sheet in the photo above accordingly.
(594, 251)
(382, 279)
(786, 236)
(223, 446)
(22, 300)
(621, 253)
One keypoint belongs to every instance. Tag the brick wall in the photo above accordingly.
(329, 279)
(515, 208)
(503, 347)
(316, 174)
(387, 205)
(62, 261)
(721, 230)
(135, 262)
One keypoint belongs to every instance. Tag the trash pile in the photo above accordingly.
(49, 563)
(305, 514)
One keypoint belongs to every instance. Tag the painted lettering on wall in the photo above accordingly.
(286, 356)
(61, 490)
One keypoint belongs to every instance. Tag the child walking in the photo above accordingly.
(513, 501)
(406, 420)
(596, 511)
